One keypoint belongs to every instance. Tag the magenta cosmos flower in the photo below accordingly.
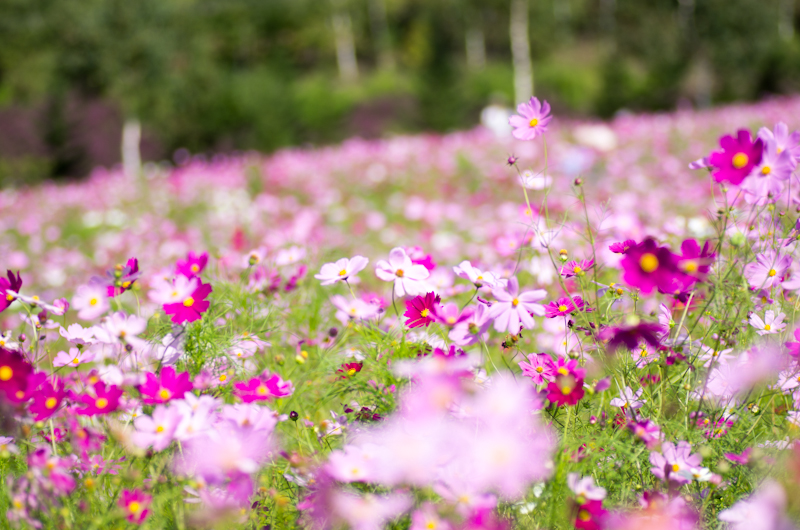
(14, 372)
(102, 400)
(738, 157)
(576, 268)
(564, 306)
(565, 390)
(341, 270)
(13, 284)
(263, 387)
(539, 368)
(122, 278)
(192, 307)
(532, 120)
(514, 308)
(46, 399)
(193, 265)
(622, 247)
(420, 310)
(167, 387)
(136, 505)
(648, 266)
(406, 275)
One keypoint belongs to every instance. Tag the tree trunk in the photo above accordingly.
(345, 45)
(521, 51)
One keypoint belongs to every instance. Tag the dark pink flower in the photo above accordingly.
(46, 399)
(167, 387)
(564, 306)
(420, 310)
(630, 335)
(136, 505)
(622, 247)
(122, 278)
(647, 431)
(648, 266)
(794, 347)
(193, 265)
(191, 308)
(101, 400)
(742, 459)
(738, 157)
(13, 283)
(419, 257)
(565, 390)
(349, 369)
(14, 372)
(590, 515)
(262, 388)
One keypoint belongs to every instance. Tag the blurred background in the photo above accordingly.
(232, 75)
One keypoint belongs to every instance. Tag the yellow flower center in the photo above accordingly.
(577, 270)
(534, 122)
(584, 515)
(76, 360)
(351, 371)
(51, 403)
(566, 390)
(6, 373)
(399, 273)
(126, 284)
(93, 301)
(690, 266)
(160, 428)
(424, 313)
(134, 507)
(563, 371)
(515, 302)
(195, 267)
(262, 390)
(772, 272)
(767, 327)
(342, 272)
(648, 262)
(539, 369)
(189, 302)
(740, 160)
(101, 403)
(223, 377)
(675, 468)
(164, 394)
(766, 170)
(451, 320)
(562, 308)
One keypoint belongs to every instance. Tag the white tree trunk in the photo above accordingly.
(131, 158)
(786, 20)
(521, 51)
(476, 49)
(345, 46)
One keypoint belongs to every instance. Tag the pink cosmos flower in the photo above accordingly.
(370, 511)
(532, 120)
(100, 399)
(166, 291)
(564, 306)
(420, 310)
(565, 390)
(585, 488)
(350, 308)
(192, 307)
(407, 276)
(794, 347)
(631, 334)
(263, 388)
(673, 459)
(341, 270)
(122, 278)
(427, 518)
(119, 328)
(476, 276)
(695, 261)
(14, 372)
(470, 330)
(514, 308)
(768, 177)
(647, 431)
(74, 358)
(539, 368)
(77, 334)
(742, 459)
(782, 139)
(166, 387)
(576, 268)
(590, 516)
(46, 399)
(12, 284)
(738, 158)
(90, 301)
(771, 323)
(136, 505)
(769, 269)
(629, 400)
(648, 266)
(622, 247)
(157, 431)
(764, 510)
(192, 266)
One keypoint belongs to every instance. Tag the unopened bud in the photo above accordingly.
(293, 415)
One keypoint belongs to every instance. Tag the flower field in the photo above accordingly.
(585, 325)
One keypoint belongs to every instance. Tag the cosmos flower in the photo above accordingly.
(539, 368)
(14, 372)
(100, 399)
(564, 306)
(192, 307)
(47, 398)
(192, 266)
(514, 308)
(769, 269)
(738, 158)
(136, 505)
(91, 301)
(407, 276)
(576, 268)
(622, 247)
(122, 278)
(648, 266)
(341, 270)
(420, 310)
(673, 459)
(532, 119)
(771, 323)
(476, 276)
(13, 284)
(262, 388)
(165, 387)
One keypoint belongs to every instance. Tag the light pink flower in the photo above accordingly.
(341, 270)
(157, 431)
(476, 276)
(768, 270)
(74, 358)
(514, 308)
(90, 301)
(771, 323)
(407, 276)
